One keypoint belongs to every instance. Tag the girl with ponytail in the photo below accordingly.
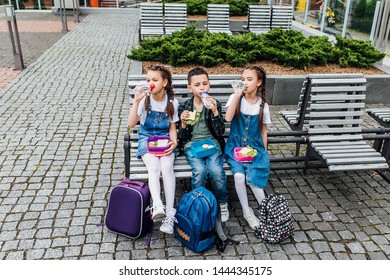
(249, 115)
(157, 112)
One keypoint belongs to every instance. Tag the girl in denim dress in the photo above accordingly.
(249, 115)
(157, 114)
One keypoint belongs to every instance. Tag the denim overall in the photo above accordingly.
(156, 123)
(244, 131)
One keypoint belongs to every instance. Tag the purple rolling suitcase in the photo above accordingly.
(128, 211)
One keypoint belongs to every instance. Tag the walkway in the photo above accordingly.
(62, 122)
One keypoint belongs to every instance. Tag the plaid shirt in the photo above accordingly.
(216, 125)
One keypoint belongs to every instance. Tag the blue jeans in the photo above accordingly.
(211, 165)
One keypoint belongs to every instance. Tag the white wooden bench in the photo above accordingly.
(151, 21)
(335, 130)
(281, 16)
(218, 18)
(326, 84)
(381, 115)
(175, 17)
(259, 18)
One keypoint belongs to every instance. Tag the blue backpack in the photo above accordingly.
(196, 217)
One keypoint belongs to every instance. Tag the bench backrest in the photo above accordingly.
(337, 106)
(151, 20)
(175, 17)
(282, 17)
(218, 18)
(320, 82)
(259, 18)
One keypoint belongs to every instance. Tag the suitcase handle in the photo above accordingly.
(130, 182)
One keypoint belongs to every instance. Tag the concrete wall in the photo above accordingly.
(285, 89)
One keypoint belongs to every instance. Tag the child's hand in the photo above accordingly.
(172, 146)
(213, 109)
(139, 92)
(184, 115)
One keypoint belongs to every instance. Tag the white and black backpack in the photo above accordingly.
(275, 220)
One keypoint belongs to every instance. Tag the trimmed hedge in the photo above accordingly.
(285, 47)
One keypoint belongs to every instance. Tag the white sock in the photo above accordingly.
(239, 184)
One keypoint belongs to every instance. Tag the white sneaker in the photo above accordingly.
(252, 220)
(169, 221)
(224, 212)
(158, 213)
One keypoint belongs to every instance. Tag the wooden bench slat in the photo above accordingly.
(376, 159)
(356, 167)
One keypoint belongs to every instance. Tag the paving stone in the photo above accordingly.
(314, 235)
(35, 254)
(18, 255)
(53, 253)
(90, 249)
(356, 248)
(346, 234)
(73, 251)
(304, 248)
(358, 257)
(377, 256)
(156, 254)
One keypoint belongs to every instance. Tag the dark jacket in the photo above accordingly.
(216, 125)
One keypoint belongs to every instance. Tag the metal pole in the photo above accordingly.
(17, 4)
(323, 15)
(39, 4)
(380, 13)
(14, 36)
(346, 17)
(380, 44)
(19, 56)
(63, 16)
(387, 28)
(306, 11)
(76, 11)
(375, 22)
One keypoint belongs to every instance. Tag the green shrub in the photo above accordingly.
(285, 47)
(356, 53)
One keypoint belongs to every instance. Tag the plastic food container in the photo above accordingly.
(242, 158)
(203, 148)
(157, 145)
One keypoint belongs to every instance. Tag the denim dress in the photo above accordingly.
(244, 131)
(156, 123)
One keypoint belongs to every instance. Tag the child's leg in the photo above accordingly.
(153, 165)
(259, 194)
(199, 169)
(239, 184)
(169, 190)
(169, 179)
(218, 176)
(250, 217)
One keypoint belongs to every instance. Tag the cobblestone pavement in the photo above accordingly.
(62, 122)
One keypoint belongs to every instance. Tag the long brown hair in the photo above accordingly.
(261, 91)
(166, 75)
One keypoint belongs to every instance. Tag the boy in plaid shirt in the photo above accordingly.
(204, 124)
